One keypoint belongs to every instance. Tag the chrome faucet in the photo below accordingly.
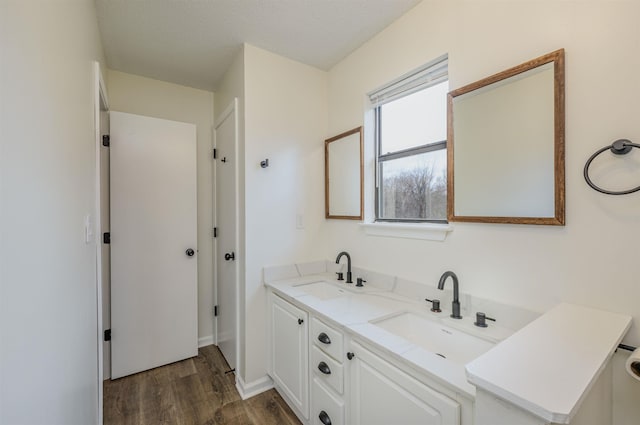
(455, 305)
(348, 264)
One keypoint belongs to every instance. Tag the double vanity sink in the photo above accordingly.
(391, 356)
(425, 331)
(347, 354)
(394, 347)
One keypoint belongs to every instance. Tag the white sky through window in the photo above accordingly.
(415, 120)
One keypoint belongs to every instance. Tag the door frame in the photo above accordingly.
(232, 108)
(101, 103)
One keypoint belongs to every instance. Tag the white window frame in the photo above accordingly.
(428, 75)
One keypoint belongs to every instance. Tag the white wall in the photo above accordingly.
(231, 86)
(48, 314)
(145, 96)
(593, 259)
(286, 122)
(283, 117)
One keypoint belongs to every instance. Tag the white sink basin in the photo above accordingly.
(326, 290)
(322, 290)
(452, 344)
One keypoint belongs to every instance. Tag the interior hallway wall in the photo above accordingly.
(592, 260)
(286, 122)
(145, 96)
(282, 117)
(48, 310)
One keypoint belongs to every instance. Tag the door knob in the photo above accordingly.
(230, 256)
(190, 252)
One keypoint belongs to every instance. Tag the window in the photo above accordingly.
(411, 145)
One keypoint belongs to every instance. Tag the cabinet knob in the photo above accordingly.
(350, 355)
(324, 418)
(324, 368)
(300, 321)
(324, 338)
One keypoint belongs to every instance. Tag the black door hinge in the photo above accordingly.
(215, 232)
(215, 153)
(106, 140)
(107, 334)
(215, 311)
(106, 237)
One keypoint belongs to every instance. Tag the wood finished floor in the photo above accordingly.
(195, 391)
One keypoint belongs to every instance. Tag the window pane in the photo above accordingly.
(414, 187)
(414, 120)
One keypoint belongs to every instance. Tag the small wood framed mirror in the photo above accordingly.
(343, 168)
(505, 146)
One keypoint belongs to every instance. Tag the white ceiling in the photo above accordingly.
(192, 42)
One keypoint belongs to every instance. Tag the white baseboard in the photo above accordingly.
(226, 336)
(248, 390)
(205, 340)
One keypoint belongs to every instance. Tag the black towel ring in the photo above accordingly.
(619, 147)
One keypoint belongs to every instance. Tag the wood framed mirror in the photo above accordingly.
(343, 167)
(505, 146)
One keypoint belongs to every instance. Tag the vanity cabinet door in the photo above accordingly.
(380, 393)
(289, 352)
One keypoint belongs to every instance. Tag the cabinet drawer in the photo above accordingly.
(326, 405)
(332, 338)
(322, 362)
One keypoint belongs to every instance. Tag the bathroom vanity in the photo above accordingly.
(377, 354)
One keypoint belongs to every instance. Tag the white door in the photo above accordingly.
(153, 242)
(226, 261)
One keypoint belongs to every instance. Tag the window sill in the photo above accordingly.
(425, 231)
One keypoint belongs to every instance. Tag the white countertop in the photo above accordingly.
(548, 366)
